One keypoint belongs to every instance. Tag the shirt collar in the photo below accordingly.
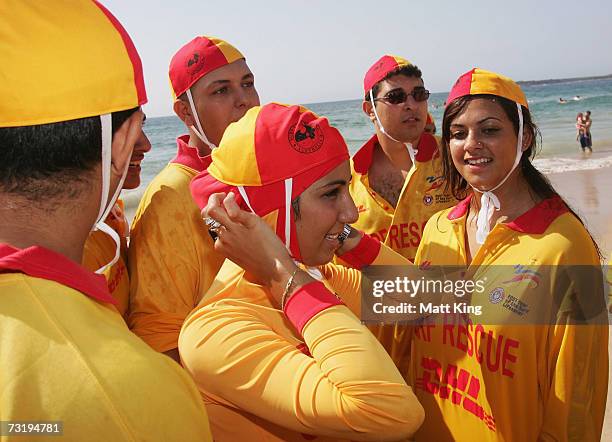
(535, 221)
(188, 155)
(39, 262)
(427, 149)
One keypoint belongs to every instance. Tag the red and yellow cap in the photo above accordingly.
(196, 59)
(380, 69)
(269, 147)
(480, 82)
(65, 60)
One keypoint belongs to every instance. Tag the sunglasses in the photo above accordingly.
(399, 96)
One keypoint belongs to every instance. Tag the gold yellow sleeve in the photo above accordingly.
(578, 367)
(578, 364)
(347, 387)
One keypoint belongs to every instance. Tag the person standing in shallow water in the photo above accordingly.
(587, 136)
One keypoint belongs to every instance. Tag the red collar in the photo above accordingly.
(362, 160)
(536, 220)
(188, 155)
(43, 263)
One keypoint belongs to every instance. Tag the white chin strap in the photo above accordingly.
(106, 205)
(312, 271)
(488, 201)
(409, 147)
(198, 131)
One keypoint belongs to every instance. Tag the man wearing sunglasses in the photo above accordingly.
(397, 182)
(397, 174)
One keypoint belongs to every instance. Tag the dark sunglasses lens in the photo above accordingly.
(396, 97)
(420, 94)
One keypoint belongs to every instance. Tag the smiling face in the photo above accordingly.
(483, 143)
(324, 208)
(142, 146)
(405, 121)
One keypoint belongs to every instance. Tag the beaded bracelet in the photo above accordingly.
(288, 287)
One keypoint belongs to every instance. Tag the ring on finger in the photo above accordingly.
(212, 224)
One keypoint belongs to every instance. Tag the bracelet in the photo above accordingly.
(288, 287)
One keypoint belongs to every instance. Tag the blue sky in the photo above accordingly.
(311, 51)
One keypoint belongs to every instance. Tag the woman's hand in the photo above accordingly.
(248, 241)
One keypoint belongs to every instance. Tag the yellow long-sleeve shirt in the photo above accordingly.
(482, 381)
(171, 257)
(312, 372)
(66, 355)
(100, 250)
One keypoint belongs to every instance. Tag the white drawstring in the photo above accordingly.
(489, 201)
(244, 196)
(409, 147)
(312, 271)
(106, 205)
(200, 133)
(288, 190)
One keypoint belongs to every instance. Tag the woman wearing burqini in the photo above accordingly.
(275, 353)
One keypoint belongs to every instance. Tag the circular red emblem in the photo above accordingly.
(305, 138)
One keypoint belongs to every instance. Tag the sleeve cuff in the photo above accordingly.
(364, 254)
(309, 300)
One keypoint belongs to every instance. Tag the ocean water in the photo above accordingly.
(559, 151)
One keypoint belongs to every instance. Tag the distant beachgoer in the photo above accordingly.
(171, 258)
(562, 100)
(579, 126)
(577, 98)
(583, 125)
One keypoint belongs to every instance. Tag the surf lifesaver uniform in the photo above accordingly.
(100, 249)
(422, 195)
(65, 353)
(510, 375)
(280, 374)
(517, 382)
(401, 227)
(171, 257)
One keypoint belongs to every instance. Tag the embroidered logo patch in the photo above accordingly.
(305, 138)
(497, 295)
